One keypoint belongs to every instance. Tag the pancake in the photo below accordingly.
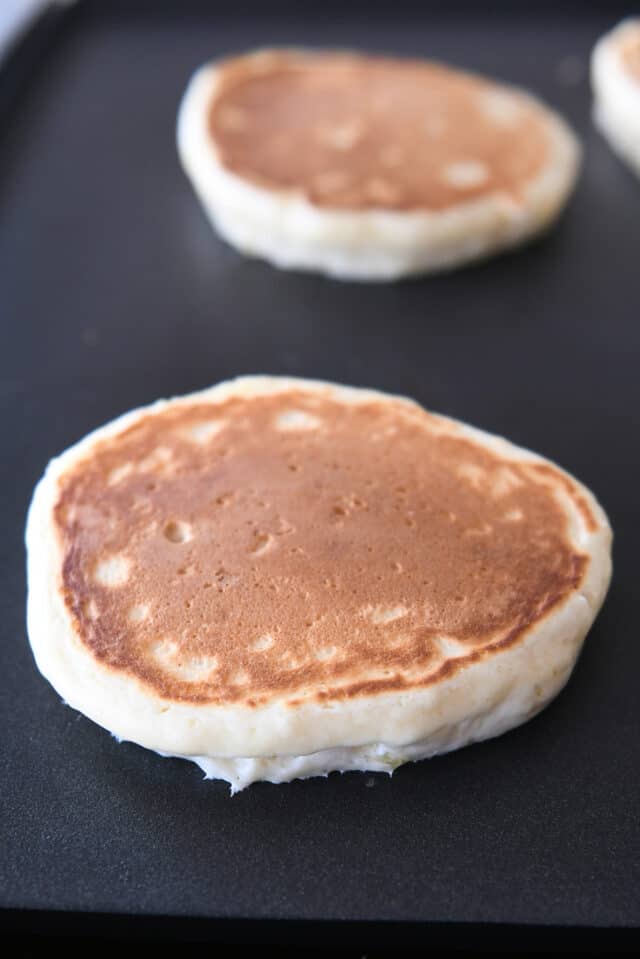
(615, 76)
(279, 578)
(370, 167)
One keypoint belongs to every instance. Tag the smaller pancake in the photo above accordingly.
(279, 578)
(370, 167)
(615, 75)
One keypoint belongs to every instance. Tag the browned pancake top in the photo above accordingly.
(630, 51)
(294, 545)
(355, 132)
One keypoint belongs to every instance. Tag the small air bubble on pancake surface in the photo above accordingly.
(177, 532)
(260, 544)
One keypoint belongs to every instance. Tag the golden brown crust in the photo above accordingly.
(290, 545)
(353, 132)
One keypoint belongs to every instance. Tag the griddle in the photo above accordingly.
(114, 291)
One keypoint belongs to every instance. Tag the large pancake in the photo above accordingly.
(274, 568)
(309, 145)
(615, 73)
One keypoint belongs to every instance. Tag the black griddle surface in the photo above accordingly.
(114, 291)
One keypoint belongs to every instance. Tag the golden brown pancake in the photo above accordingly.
(354, 131)
(264, 562)
(279, 544)
(368, 166)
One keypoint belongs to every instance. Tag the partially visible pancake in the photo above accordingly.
(282, 577)
(615, 75)
(370, 167)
